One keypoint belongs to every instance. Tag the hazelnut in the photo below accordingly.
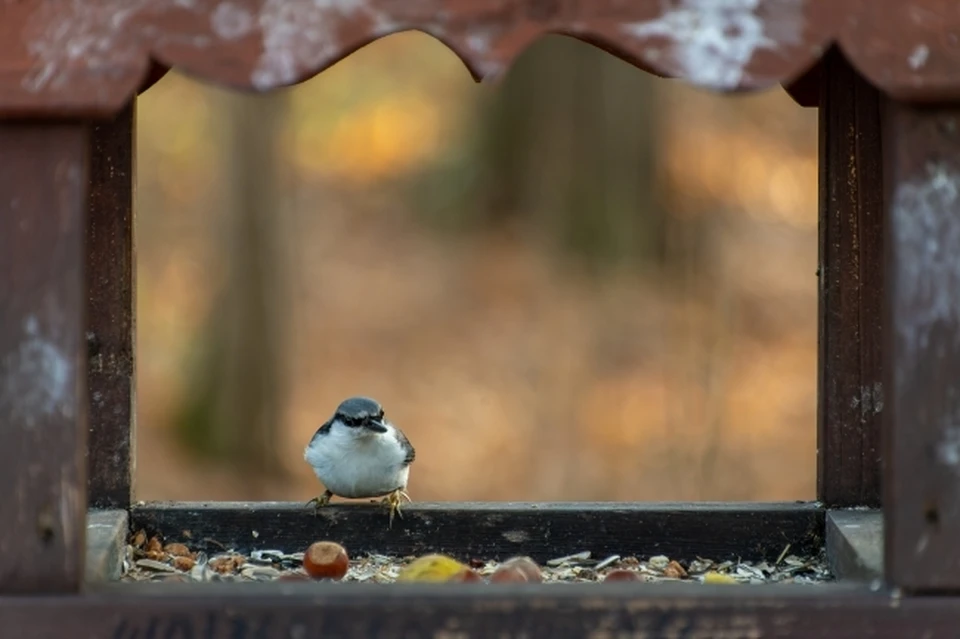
(623, 575)
(517, 570)
(326, 560)
(468, 575)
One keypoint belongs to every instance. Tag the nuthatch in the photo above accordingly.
(359, 454)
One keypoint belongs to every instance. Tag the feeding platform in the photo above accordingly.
(885, 76)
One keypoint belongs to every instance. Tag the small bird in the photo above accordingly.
(359, 454)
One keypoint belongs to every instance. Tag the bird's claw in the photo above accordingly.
(394, 501)
(320, 502)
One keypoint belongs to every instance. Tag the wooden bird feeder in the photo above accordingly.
(885, 76)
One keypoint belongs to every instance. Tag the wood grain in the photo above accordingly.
(42, 357)
(922, 412)
(111, 322)
(549, 611)
(851, 363)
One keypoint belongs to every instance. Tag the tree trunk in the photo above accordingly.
(233, 410)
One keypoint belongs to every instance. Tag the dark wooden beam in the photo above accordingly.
(922, 412)
(851, 392)
(111, 288)
(499, 530)
(43, 178)
(555, 611)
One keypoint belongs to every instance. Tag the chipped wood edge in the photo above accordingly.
(854, 540)
(106, 544)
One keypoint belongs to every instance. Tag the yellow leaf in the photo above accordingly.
(432, 569)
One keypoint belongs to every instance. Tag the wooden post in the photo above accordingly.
(922, 415)
(111, 277)
(43, 177)
(851, 394)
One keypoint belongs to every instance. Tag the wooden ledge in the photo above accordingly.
(267, 611)
(495, 530)
(855, 544)
(106, 544)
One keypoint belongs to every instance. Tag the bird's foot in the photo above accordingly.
(394, 500)
(320, 502)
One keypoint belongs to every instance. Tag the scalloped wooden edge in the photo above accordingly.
(90, 58)
(804, 90)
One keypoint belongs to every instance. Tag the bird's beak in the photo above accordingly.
(375, 426)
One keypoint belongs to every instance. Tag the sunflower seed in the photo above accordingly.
(153, 564)
(578, 557)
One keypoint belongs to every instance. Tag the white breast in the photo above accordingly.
(358, 467)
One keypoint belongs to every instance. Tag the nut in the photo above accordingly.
(326, 560)
(466, 576)
(139, 539)
(674, 570)
(226, 564)
(623, 575)
(177, 550)
(183, 563)
(517, 570)
(154, 545)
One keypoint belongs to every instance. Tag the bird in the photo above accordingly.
(359, 454)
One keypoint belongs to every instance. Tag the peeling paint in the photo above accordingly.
(36, 378)
(230, 21)
(919, 57)
(713, 41)
(298, 37)
(870, 399)
(927, 230)
(948, 449)
(70, 36)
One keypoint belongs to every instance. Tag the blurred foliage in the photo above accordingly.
(684, 369)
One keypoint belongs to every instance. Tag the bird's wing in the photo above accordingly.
(323, 430)
(411, 454)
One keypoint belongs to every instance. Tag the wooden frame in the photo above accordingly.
(886, 84)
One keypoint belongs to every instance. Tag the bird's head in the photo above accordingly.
(362, 415)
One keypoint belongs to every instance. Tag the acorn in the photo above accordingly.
(326, 560)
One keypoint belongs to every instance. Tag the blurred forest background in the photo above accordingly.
(584, 284)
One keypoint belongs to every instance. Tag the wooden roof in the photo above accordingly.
(88, 57)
